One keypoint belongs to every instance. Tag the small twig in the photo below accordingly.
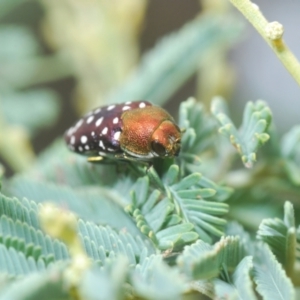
(272, 33)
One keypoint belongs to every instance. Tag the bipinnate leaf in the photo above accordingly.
(271, 280)
(242, 279)
(203, 261)
(176, 216)
(22, 232)
(101, 242)
(96, 204)
(189, 202)
(105, 283)
(156, 218)
(200, 132)
(153, 279)
(253, 132)
(222, 193)
(281, 237)
(238, 285)
(235, 229)
(16, 210)
(36, 286)
(15, 263)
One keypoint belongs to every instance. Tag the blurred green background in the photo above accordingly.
(60, 58)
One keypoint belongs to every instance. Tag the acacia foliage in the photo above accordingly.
(169, 232)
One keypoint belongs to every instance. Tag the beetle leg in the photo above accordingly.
(95, 159)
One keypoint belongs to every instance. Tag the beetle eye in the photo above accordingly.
(158, 148)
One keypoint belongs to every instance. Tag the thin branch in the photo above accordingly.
(272, 33)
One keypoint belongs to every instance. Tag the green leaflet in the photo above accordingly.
(242, 279)
(15, 263)
(177, 240)
(101, 242)
(240, 285)
(281, 237)
(180, 208)
(36, 286)
(199, 135)
(203, 261)
(106, 283)
(94, 204)
(29, 250)
(189, 204)
(222, 193)
(235, 229)
(153, 279)
(270, 278)
(16, 210)
(21, 232)
(151, 214)
(253, 132)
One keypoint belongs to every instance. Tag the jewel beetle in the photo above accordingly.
(134, 130)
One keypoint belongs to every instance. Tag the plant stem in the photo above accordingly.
(272, 33)
(291, 249)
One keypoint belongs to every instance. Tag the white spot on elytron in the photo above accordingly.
(72, 141)
(142, 105)
(116, 120)
(128, 102)
(70, 131)
(126, 107)
(97, 110)
(99, 121)
(105, 130)
(80, 148)
(79, 123)
(92, 133)
(101, 145)
(111, 107)
(117, 135)
(110, 149)
(83, 139)
(90, 119)
(87, 147)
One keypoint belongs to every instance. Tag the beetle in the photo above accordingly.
(134, 130)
